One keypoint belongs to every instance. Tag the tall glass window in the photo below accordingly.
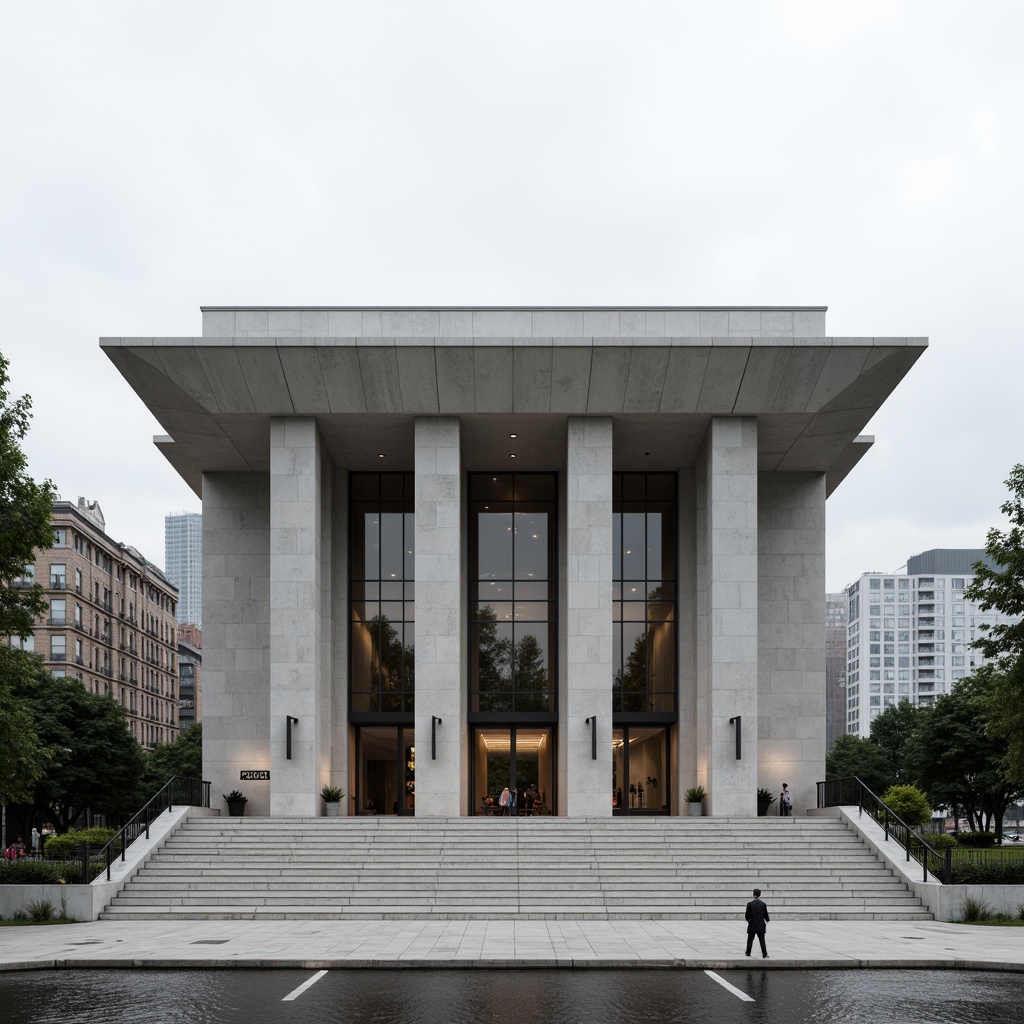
(643, 593)
(383, 599)
(513, 598)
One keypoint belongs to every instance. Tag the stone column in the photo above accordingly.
(296, 607)
(586, 688)
(440, 648)
(236, 634)
(791, 634)
(727, 615)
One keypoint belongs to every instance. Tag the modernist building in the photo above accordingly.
(183, 563)
(578, 551)
(836, 607)
(190, 675)
(111, 620)
(909, 636)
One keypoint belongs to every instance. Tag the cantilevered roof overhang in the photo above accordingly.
(214, 396)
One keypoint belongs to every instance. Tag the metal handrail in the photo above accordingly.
(194, 791)
(837, 792)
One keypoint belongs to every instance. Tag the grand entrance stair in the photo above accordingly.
(497, 868)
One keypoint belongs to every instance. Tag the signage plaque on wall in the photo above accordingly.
(262, 775)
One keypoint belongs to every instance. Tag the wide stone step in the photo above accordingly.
(525, 868)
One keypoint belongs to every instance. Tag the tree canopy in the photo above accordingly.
(25, 510)
(892, 730)
(854, 755)
(95, 762)
(182, 757)
(953, 759)
(1002, 588)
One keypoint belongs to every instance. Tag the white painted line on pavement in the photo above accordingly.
(306, 984)
(732, 988)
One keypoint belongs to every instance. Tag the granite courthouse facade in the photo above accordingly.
(578, 550)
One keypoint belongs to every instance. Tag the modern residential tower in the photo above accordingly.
(183, 563)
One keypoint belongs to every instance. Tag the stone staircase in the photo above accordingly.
(501, 868)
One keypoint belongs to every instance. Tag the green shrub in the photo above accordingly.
(908, 803)
(976, 839)
(939, 841)
(67, 846)
(38, 872)
(981, 872)
(975, 909)
(41, 909)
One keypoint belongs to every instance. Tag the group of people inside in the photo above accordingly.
(507, 804)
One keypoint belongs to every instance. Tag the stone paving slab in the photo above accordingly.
(495, 944)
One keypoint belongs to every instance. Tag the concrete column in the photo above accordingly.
(587, 686)
(440, 648)
(296, 611)
(340, 625)
(685, 734)
(791, 634)
(727, 615)
(236, 635)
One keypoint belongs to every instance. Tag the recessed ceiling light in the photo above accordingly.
(512, 455)
(380, 455)
(513, 435)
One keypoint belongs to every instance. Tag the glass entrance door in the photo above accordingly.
(640, 770)
(386, 772)
(519, 758)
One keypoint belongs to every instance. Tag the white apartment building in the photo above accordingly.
(909, 636)
(183, 563)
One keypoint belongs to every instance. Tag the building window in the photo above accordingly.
(60, 537)
(58, 577)
(643, 592)
(58, 647)
(58, 612)
(513, 592)
(383, 601)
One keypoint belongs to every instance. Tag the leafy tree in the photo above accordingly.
(182, 757)
(25, 509)
(853, 755)
(494, 661)
(96, 764)
(23, 758)
(956, 762)
(908, 803)
(892, 730)
(1002, 588)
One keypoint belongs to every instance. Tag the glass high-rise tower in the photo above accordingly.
(183, 556)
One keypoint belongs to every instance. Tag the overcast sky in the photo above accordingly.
(864, 156)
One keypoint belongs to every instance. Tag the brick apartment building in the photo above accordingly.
(111, 622)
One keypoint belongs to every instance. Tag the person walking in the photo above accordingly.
(35, 843)
(757, 923)
(785, 802)
(503, 802)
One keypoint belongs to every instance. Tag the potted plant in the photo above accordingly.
(236, 801)
(695, 798)
(331, 796)
(764, 800)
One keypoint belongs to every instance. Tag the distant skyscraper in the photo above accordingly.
(835, 667)
(183, 554)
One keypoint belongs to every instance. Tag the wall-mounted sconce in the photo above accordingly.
(592, 722)
(291, 720)
(736, 721)
(434, 723)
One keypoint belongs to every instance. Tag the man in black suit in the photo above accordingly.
(757, 922)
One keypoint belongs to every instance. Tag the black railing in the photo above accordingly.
(176, 791)
(850, 792)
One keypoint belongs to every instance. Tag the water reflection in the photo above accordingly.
(522, 997)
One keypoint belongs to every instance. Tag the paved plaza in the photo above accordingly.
(495, 944)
